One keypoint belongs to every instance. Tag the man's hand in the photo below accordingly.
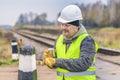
(50, 62)
(45, 55)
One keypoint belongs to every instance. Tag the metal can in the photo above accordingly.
(52, 52)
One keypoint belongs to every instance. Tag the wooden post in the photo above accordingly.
(14, 50)
(27, 63)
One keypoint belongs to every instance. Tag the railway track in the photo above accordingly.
(103, 50)
(49, 41)
(42, 39)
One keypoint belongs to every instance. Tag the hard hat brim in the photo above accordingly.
(62, 20)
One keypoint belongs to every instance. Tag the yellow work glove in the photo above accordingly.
(45, 55)
(50, 62)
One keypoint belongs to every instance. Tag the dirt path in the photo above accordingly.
(11, 73)
(8, 72)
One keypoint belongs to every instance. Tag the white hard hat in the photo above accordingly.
(69, 14)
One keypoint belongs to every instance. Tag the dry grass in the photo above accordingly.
(107, 37)
(5, 50)
(6, 53)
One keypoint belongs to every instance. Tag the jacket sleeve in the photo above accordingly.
(86, 57)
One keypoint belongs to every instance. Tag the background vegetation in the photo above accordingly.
(94, 15)
(5, 48)
(108, 37)
(100, 14)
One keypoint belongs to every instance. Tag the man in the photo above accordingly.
(75, 49)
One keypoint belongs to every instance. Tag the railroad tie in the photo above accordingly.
(27, 63)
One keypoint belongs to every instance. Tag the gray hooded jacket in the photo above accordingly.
(86, 55)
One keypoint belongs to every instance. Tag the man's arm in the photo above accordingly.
(80, 64)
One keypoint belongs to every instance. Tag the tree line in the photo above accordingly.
(96, 15)
(99, 14)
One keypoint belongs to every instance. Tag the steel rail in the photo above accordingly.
(36, 39)
(102, 50)
(109, 51)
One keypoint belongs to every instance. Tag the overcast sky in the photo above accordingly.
(11, 9)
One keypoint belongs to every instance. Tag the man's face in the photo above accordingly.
(68, 30)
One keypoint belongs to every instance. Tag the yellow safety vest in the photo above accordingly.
(73, 52)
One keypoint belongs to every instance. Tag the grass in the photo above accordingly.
(8, 62)
(2, 41)
(5, 52)
(107, 37)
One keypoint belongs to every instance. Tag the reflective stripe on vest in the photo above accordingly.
(68, 74)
